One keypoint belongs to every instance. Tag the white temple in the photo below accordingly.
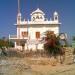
(30, 33)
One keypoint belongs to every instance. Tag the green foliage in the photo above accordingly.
(6, 43)
(73, 38)
(11, 44)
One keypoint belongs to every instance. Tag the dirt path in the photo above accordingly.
(20, 66)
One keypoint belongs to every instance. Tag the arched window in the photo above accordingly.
(56, 18)
(33, 18)
(37, 17)
(24, 34)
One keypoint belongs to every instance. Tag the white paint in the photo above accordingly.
(39, 24)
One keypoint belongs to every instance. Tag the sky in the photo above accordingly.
(9, 9)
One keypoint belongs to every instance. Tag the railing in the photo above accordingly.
(15, 37)
(12, 36)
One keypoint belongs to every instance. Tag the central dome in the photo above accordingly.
(37, 15)
(38, 11)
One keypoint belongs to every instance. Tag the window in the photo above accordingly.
(33, 18)
(37, 35)
(41, 17)
(56, 18)
(37, 17)
(51, 32)
(24, 34)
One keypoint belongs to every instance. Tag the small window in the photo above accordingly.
(37, 17)
(37, 35)
(41, 17)
(24, 34)
(55, 18)
(33, 18)
(51, 32)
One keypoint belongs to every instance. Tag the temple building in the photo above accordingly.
(30, 32)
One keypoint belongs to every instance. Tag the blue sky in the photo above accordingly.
(65, 8)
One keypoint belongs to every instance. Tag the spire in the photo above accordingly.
(18, 19)
(18, 6)
(19, 13)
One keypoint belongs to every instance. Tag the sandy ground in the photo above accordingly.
(30, 66)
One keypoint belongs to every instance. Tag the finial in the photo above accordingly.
(55, 13)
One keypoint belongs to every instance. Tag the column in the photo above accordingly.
(15, 45)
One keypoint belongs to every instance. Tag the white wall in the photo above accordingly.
(32, 31)
(32, 34)
(21, 30)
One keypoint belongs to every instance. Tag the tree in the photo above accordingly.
(6, 43)
(11, 44)
(73, 44)
(73, 38)
(52, 44)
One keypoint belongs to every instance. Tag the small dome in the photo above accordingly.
(55, 13)
(37, 11)
(19, 14)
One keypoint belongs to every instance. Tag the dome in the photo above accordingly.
(55, 13)
(37, 11)
(19, 14)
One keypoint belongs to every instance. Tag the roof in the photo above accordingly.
(37, 11)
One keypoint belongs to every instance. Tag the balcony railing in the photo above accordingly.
(12, 36)
(15, 37)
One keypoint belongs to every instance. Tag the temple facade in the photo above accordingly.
(30, 33)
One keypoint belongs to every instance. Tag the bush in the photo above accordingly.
(52, 45)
